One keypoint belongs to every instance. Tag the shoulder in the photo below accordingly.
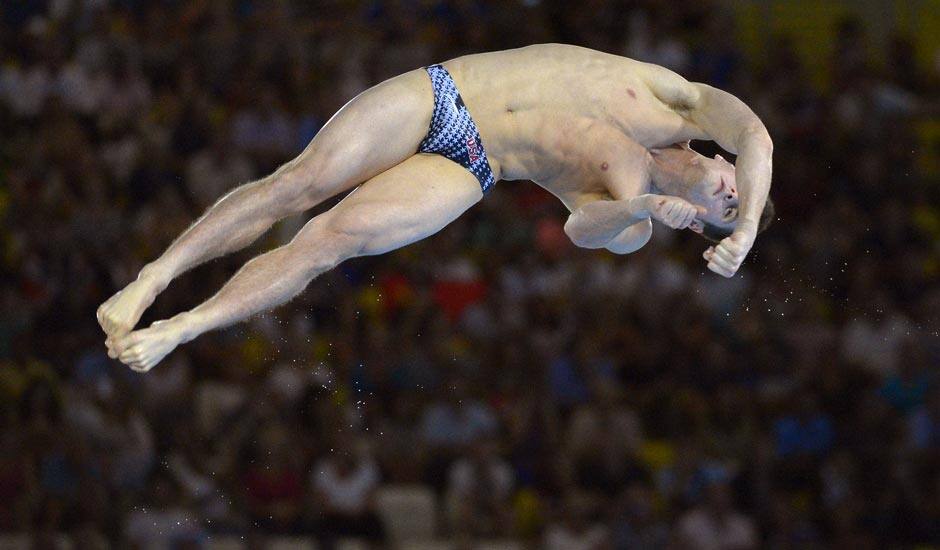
(670, 87)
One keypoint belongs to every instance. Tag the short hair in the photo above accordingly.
(716, 233)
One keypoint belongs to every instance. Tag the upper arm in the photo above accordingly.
(724, 117)
(720, 116)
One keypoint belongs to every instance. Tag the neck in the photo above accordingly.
(666, 169)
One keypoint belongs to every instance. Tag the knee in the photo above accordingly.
(327, 243)
(292, 189)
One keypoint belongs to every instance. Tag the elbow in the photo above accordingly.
(758, 137)
(578, 235)
(632, 239)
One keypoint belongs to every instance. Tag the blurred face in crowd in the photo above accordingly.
(703, 181)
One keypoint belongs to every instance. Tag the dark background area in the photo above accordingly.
(509, 386)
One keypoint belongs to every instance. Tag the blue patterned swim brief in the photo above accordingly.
(453, 134)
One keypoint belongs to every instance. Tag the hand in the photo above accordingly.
(672, 211)
(725, 258)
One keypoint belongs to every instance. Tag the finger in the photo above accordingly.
(689, 217)
(732, 249)
(723, 253)
(708, 253)
(722, 261)
(724, 272)
(700, 210)
(732, 246)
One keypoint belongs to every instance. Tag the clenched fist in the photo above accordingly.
(674, 212)
(726, 257)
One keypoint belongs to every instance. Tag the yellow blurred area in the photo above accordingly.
(812, 25)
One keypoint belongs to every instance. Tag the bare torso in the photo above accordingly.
(573, 119)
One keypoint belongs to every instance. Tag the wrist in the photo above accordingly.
(746, 225)
(641, 205)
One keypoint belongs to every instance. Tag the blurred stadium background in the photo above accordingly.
(491, 387)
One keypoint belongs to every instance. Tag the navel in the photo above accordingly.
(604, 166)
(631, 92)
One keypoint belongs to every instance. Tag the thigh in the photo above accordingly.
(404, 204)
(376, 130)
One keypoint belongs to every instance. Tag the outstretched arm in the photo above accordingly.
(732, 124)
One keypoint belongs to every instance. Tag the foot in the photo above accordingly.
(121, 312)
(142, 349)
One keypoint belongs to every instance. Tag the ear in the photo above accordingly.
(697, 226)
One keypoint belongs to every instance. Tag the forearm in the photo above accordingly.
(263, 283)
(753, 175)
(595, 224)
(734, 126)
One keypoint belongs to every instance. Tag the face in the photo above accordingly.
(710, 182)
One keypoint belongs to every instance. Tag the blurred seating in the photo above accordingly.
(409, 512)
(225, 542)
(15, 541)
(291, 543)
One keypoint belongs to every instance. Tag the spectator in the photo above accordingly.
(575, 529)
(344, 485)
(716, 525)
(642, 381)
(478, 492)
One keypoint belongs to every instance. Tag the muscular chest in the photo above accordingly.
(599, 161)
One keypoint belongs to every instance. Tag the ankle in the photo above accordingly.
(156, 277)
(187, 325)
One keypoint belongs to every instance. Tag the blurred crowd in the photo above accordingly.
(571, 399)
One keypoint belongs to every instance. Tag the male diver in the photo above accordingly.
(605, 134)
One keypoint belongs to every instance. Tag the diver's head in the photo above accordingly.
(707, 182)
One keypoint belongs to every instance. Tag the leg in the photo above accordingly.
(375, 131)
(407, 203)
